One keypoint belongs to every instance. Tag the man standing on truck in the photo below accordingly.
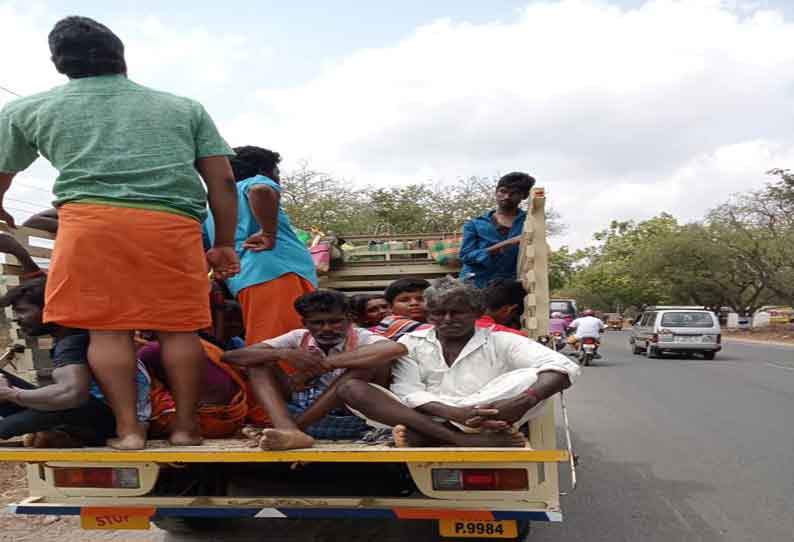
(327, 352)
(130, 205)
(489, 248)
(460, 384)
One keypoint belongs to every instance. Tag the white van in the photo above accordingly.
(676, 329)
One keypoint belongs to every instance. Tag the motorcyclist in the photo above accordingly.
(558, 324)
(586, 326)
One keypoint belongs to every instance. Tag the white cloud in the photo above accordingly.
(666, 107)
(622, 112)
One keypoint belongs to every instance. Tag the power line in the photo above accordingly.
(10, 91)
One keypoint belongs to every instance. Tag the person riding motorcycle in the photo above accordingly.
(558, 328)
(586, 326)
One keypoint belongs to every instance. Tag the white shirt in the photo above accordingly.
(422, 376)
(587, 326)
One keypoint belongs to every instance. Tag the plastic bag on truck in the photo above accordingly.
(445, 251)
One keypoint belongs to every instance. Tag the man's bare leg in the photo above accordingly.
(111, 356)
(330, 399)
(384, 409)
(184, 361)
(270, 393)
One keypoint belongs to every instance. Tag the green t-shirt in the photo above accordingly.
(114, 141)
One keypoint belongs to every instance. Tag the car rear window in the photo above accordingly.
(687, 319)
(560, 306)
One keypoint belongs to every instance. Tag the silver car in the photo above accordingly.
(680, 330)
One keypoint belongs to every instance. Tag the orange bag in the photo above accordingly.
(215, 421)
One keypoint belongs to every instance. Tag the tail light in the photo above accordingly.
(719, 338)
(588, 340)
(98, 477)
(655, 338)
(557, 334)
(480, 479)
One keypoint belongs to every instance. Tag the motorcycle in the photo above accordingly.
(558, 341)
(555, 341)
(587, 351)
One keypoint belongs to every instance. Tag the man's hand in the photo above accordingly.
(309, 363)
(6, 217)
(500, 415)
(223, 261)
(260, 242)
(463, 415)
(499, 247)
(6, 391)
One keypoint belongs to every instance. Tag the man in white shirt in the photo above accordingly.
(459, 384)
(586, 326)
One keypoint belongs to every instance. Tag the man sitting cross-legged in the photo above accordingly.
(328, 352)
(460, 384)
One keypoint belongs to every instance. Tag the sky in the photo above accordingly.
(620, 109)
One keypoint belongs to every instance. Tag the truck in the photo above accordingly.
(445, 493)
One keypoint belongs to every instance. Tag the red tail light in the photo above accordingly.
(99, 477)
(588, 340)
(480, 479)
(557, 334)
(655, 338)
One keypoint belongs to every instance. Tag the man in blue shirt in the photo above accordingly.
(490, 242)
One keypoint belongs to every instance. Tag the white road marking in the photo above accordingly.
(784, 367)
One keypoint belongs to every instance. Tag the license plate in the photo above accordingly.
(687, 338)
(112, 519)
(455, 528)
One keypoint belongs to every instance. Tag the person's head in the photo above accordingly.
(82, 47)
(556, 315)
(453, 307)
(504, 301)
(27, 302)
(368, 309)
(512, 189)
(588, 312)
(406, 298)
(326, 314)
(250, 161)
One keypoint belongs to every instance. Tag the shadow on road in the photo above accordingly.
(624, 502)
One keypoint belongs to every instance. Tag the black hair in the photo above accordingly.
(31, 291)
(249, 161)
(502, 292)
(520, 182)
(401, 286)
(322, 301)
(82, 47)
(358, 305)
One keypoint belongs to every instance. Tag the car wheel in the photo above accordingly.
(709, 355)
(652, 352)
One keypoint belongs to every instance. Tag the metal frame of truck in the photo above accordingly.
(134, 507)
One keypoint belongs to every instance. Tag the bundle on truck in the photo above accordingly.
(458, 493)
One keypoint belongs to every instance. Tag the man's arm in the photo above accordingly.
(263, 354)
(46, 220)
(263, 201)
(222, 195)
(70, 390)
(5, 184)
(470, 253)
(9, 245)
(368, 356)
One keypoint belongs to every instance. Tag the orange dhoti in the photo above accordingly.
(119, 268)
(268, 308)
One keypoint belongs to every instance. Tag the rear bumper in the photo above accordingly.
(31, 507)
(688, 347)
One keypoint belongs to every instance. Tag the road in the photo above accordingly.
(670, 450)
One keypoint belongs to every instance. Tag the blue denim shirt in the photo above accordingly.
(479, 234)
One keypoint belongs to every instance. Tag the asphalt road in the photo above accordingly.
(670, 450)
(682, 449)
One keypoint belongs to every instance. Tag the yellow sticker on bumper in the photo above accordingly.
(455, 528)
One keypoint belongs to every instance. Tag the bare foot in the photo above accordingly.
(185, 438)
(29, 440)
(284, 439)
(55, 439)
(500, 439)
(408, 438)
(133, 440)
